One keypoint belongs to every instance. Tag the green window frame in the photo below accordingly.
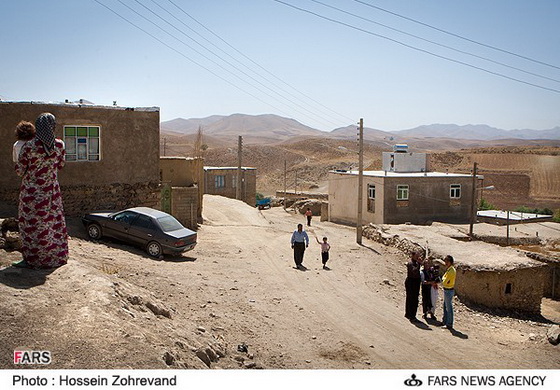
(83, 143)
(402, 192)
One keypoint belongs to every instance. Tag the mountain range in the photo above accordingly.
(273, 128)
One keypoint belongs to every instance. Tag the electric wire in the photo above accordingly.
(236, 68)
(185, 56)
(258, 65)
(328, 111)
(417, 48)
(205, 56)
(437, 43)
(457, 35)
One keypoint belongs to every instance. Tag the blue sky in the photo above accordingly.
(70, 49)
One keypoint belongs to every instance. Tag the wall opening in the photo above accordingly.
(508, 288)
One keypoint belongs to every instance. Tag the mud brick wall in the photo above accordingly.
(489, 288)
(184, 205)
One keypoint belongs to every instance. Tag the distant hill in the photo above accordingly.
(267, 128)
(369, 134)
(188, 126)
(475, 132)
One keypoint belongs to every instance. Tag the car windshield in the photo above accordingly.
(168, 224)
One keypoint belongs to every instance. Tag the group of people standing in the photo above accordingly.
(38, 156)
(423, 275)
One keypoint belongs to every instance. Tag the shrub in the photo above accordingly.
(485, 205)
(525, 209)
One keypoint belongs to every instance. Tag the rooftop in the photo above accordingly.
(403, 174)
(86, 104)
(228, 168)
(513, 215)
(442, 239)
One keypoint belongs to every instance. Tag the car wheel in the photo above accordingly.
(94, 231)
(154, 249)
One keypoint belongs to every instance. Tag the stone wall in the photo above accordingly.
(82, 199)
(301, 195)
(184, 205)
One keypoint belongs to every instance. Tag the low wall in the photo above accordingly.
(82, 199)
(301, 195)
(518, 290)
(552, 280)
(184, 205)
(480, 286)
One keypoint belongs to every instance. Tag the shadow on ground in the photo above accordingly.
(23, 278)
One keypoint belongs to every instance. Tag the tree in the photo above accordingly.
(199, 146)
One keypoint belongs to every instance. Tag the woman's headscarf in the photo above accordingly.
(45, 125)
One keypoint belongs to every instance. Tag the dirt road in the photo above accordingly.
(239, 286)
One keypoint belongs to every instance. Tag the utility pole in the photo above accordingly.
(295, 187)
(164, 145)
(473, 202)
(507, 231)
(238, 179)
(360, 181)
(285, 169)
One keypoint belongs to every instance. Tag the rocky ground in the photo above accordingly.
(114, 307)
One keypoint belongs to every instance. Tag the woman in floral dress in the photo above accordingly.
(41, 216)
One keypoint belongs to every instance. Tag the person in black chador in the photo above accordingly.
(430, 279)
(412, 285)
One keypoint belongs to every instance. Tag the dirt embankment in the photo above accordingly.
(522, 176)
(114, 307)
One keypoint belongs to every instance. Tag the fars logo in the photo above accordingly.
(32, 357)
(413, 381)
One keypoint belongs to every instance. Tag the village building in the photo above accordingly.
(405, 191)
(112, 154)
(223, 181)
(487, 274)
(183, 188)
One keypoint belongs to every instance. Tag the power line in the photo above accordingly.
(437, 43)
(203, 55)
(416, 48)
(258, 65)
(227, 62)
(249, 59)
(456, 35)
(185, 56)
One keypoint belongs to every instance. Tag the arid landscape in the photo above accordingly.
(524, 172)
(113, 307)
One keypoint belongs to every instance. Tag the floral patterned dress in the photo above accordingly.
(41, 216)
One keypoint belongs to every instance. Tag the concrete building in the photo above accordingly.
(404, 191)
(223, 181)
(112, 154)
(183, 188)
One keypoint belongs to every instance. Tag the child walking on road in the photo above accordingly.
(309, 214)
(325, 247)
